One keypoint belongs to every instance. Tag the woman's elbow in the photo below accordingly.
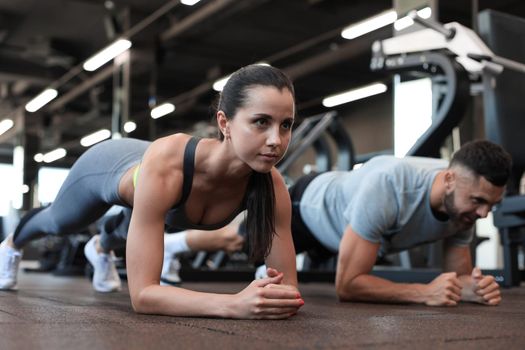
(139, 301)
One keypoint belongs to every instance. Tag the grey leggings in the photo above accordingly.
(89, 190)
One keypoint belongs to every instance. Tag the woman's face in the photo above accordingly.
(260, 131)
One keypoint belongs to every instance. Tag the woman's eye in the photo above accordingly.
(261, 122)
(287, 125)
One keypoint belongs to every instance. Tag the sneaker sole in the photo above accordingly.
(166, 282)
(88, 256)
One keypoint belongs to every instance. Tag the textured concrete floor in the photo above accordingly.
(50, 312)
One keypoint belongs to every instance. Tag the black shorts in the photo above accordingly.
(303, 239)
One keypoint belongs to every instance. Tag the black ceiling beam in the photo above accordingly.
(15, 70)
(347, 51)
(80, 89)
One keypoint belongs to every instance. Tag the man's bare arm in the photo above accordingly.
(354, 282)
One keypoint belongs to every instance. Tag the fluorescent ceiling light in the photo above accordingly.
(24, 188)
(403, 23)
(356, 94)
(162, 110)
(41, 100)
(5, 125)
(407, 21)
(189, 2)
(219, 84)
(106, 54)
(425, 13)
(39, 157)
(54, 155)
(369, 25)
(129, 126)
(95, 137)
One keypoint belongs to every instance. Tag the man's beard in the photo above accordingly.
(457, 219)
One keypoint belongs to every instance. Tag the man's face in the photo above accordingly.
(470, 198)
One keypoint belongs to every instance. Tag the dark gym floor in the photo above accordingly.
(49, 312)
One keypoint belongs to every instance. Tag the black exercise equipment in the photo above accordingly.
(505, 125)
(449, 80)
(314, 132)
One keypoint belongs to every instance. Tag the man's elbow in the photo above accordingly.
(346, 291)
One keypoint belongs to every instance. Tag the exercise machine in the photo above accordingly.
(505, 125)
(459, 56)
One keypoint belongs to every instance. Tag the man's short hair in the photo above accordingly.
(486, 159)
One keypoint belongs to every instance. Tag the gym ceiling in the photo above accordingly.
(177, 57)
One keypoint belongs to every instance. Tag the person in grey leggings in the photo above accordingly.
(187, 183)
(90, 189)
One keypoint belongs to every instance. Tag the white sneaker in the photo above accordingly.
(260, 272)
(170, 270)
(105, 275)
(9, 261)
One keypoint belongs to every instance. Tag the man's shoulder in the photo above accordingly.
(426, 163)
(391, 163)
(386, 164)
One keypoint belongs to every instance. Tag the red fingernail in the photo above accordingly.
(302, 301)
(297, 296)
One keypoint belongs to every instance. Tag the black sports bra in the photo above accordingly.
(176, 218)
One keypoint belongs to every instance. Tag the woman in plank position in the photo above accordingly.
(186, 183)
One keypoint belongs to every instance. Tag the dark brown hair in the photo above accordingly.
(486, 159)
(260, 196)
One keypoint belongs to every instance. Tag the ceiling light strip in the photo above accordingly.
(95, 137)
(162, 110)
(106, 54)
(54, 155)
(189, 2)
(355, 94)
(41, 100)
(370, 24)
(5, 125)
(407, 21)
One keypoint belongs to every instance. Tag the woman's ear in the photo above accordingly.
(223, 123)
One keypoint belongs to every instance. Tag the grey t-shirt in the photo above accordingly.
(385, 201)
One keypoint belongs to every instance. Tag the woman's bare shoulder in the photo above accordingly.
(162, 168)
(166, 154)
(174, 143)
(279, 184)
(277, 177)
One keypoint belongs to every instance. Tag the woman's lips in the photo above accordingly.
(269, 156)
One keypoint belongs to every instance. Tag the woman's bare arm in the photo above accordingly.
(282, 254)
(155, 194)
